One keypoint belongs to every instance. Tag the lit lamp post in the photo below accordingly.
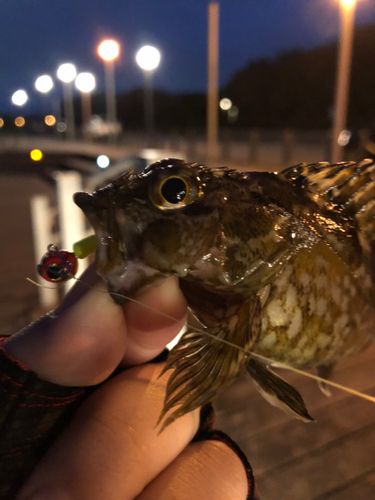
(85, 83)
(44, 84)
(347, 10)
(19, 98)
(66, 73)
(109, 51)
(148, 59)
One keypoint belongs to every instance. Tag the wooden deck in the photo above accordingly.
(332, 459)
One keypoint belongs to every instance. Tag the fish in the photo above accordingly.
(276, 268)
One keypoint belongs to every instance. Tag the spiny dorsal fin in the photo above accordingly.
(347, 188)
(349, 185)
(277, 391)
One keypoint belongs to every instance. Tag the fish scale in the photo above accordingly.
(276, 264)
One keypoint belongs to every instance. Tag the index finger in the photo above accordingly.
(86, 338)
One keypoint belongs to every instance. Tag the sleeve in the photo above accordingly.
(32, 413)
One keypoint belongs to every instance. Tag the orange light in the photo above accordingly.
(19, 121)
(50, 120)
(348, 4)
(109, 50)
(36, 155)
(1, 122)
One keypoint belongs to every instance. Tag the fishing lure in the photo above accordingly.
(278, 265)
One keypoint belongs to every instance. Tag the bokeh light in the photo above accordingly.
(148, 58)
(1, 123)
(61, 127)
(348, 4)
(50, 120)
(19, 98)
(225, 104)
(344, 137)
(109, 50)
(103, 161)
(36, 155)
(19, 121)
(66, 72)
(44, 83)
(85, 82)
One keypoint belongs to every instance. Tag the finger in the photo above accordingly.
(85, 339)
(112, 450)
(154, 321)
(208, 470)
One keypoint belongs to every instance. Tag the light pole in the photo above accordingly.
(85, 83)
(44, 84)
(66, 73)
(148, 59)
(109, 51)
(347, 12)
(212, 80)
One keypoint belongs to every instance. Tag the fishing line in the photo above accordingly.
(283, 366)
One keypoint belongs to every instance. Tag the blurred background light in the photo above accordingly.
(109, 50)
(66, 72)
(44, 84)
(61, 127)
(1, 122)
(102, 161)
(85, 82)
(19, 121)
(344, 138)
(348, 3)
(19, 98)
(50, 120)
(36, 155)
(225, 104)
(148, 58)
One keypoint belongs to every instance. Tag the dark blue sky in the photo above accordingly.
(38, 35)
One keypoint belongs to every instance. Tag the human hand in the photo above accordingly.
(111, 450)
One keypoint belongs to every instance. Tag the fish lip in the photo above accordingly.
(127, 281)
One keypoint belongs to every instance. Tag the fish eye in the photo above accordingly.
(174, 191)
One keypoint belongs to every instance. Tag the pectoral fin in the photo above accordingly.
(204, 364)
(276, 390)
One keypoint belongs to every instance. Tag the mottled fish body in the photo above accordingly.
(277, 264)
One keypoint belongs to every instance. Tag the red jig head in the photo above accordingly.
(58, 265)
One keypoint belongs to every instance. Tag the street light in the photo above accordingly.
(109, 50)
(44, 84)
(148, 59)
(19, 98)
(66, 73)
(85, 83)
(347, 12)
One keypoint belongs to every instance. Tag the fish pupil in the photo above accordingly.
(174, 190)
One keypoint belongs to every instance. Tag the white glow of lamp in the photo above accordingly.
(85, 82)
(148, 58)
(19, 98)
(66, 72)
(44, 84)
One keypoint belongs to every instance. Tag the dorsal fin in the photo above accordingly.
(349, 185)
(346, 187)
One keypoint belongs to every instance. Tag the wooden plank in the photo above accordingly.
(294, 439)
(250, 414)
(361, 488)
(323, 470)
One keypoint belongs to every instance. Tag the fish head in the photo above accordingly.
(150, 225)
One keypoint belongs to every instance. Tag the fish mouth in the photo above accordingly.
(119, 253)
